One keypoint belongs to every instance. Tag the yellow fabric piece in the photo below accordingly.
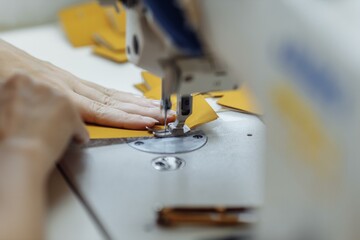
(217, 94)
(242, 100)
(100, 132)
(151, 81)
(141, 87)
(117, 19)
(117, 56)
(81, 21)
(154, 93)
(202, 112)
(110, 39)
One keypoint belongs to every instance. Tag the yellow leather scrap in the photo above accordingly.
(202, 112)
(110, 39)
(81, 21)
(154, 93)
(116, 56)
(100, 132)
(151, 81)
(117, 19)
(141, 87)
(153, 85)
(217, 94)
(241, 99)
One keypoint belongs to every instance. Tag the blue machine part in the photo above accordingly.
(172, 20)
(319, 80)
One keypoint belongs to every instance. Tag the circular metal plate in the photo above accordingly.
(187, 143)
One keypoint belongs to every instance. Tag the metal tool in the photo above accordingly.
(166, 106)
(167, 89)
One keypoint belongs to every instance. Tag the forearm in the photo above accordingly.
(22, 182)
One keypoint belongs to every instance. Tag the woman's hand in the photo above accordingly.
(96, 104)
(38, 120)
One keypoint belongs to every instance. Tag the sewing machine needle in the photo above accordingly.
(166, 106)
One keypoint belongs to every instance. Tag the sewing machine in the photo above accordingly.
(298, 76)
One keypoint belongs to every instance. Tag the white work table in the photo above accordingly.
(68, 218)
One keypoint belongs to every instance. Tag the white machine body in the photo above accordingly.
(302, 59)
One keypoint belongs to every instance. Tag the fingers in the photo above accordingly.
(132, 108)
(101, 114)
(154, 112)
(81, 135)
(116, 95)
(129, 104)
(105, 90)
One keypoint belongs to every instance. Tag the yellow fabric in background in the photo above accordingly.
(141, 87)
(89, 24)
(116, 56)
(151, 81)
(241, 99)
(202, 112)
(154, 93)
(217, 94)
(153, 84)
(81, 21)
(117, 19)
(110, 39)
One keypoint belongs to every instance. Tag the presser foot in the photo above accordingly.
(170, 131)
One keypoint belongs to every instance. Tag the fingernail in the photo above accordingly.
(156, 103)
(171, 113)
(138, 96)
(150, 119)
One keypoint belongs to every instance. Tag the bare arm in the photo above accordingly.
(22, 182)
(36, 125)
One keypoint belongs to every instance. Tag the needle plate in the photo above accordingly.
(190, 142)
